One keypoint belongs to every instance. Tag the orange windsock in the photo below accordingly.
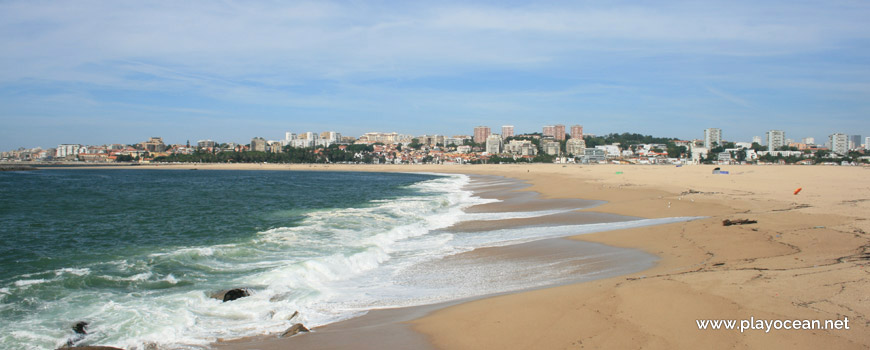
(798, 190)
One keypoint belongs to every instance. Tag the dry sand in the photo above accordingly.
(806, 258)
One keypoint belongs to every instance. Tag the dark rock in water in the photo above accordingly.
(232, 294)
(81, 332)
(293, 330)
(80, 327)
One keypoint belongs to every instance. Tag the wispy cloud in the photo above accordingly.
(728, 97)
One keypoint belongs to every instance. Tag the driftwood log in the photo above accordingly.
(728, 222)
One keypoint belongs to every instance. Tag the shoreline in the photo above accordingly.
(806, 258)
(545, 262)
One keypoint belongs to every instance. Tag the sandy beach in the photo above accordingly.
(806, 258)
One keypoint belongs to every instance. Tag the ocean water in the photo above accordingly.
(138, 253)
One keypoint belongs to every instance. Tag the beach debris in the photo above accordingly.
(718, 264)
(798, 190)
(691, 191)
(293, 330)
(618, 173)
(231, 294)
(295, 313)
(729, 222)
(818, 227)
(716, 170)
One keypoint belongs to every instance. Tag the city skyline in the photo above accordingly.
(481, 132)
(113, 72)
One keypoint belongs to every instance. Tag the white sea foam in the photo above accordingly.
(74, 271)
(27, 283)
(513, 215)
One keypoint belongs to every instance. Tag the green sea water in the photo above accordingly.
(76, 244)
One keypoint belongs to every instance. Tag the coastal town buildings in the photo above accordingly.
(549, 131)
(154, 144)
(775, 139)
(205, 144)
(575, 146)
(557, 132)
(481, 133)
(712, 137)
(521, 147)
(67, 150)
(839, 143)
(551, 147)
(395, 148)
(493, 144)
(507, 131)
(258, 144)
(854, 141)
(576, 131)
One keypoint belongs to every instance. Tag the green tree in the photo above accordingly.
(675, 151)
(415, 144)
(757, 147)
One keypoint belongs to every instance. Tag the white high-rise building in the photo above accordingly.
(839, 143)
(493, 144)
(333, 137)
(809, 140)
(711, 136)
(575, 146)
(64, 150)
(867, 143)
(775, 139)
(288, 138)
(756, 139)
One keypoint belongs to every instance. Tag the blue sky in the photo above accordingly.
(97, 72)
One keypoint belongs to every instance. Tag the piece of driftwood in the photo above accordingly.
(729, 222)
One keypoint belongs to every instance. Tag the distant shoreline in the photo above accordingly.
(13, 167)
